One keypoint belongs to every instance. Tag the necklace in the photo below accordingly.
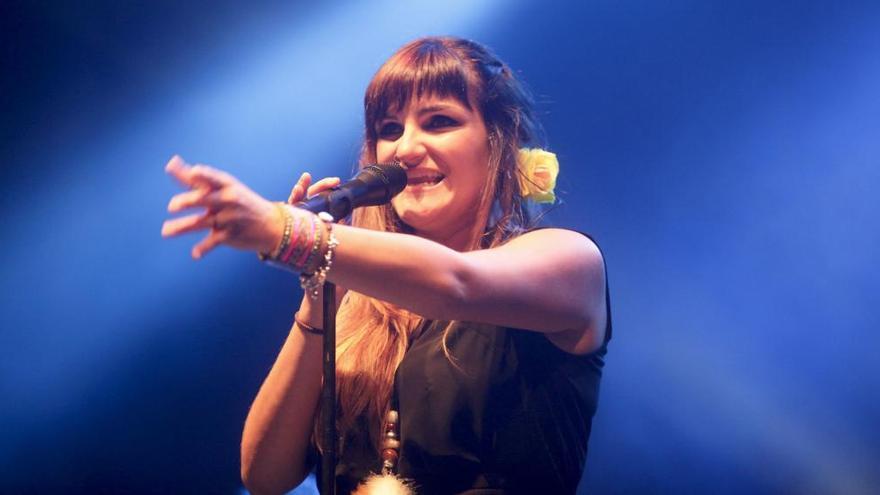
(387, 483)
(390, 443)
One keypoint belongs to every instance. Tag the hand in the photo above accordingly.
(309, 309)
(234, 214)
(305, 189)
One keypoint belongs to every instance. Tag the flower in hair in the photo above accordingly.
(537, 174)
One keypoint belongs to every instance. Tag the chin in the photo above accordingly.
(418, 220)
(411, 209)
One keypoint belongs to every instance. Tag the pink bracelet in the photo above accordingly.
(292, 245)
(307, 251)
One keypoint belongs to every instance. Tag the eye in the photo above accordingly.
(390, 130)
(441, 121)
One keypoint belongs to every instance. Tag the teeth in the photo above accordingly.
(431, 179)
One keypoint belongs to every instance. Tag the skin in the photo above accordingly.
(559, 292)
(434, 136)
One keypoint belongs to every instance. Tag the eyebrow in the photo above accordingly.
(433, 108)
(441, 107)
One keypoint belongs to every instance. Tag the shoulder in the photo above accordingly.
(574, 255)
(550, 281)
(555, 234)
(562, 242)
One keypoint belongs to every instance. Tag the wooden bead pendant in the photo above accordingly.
(390, 443)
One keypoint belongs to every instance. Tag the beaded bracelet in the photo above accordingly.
(311, 262)
(297, 243)
(285, 237)
(314, 281)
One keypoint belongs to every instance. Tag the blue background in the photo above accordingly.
(724, 154)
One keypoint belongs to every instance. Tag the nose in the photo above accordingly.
(410, 149)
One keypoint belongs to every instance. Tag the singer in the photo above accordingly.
(470, 341)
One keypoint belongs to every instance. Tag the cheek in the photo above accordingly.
(478, 172)
(384, 152)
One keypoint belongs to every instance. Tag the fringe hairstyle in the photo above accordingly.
(373, 334)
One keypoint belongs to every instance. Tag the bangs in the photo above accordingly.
(424, 70)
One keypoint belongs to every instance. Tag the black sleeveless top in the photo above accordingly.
(511, 413)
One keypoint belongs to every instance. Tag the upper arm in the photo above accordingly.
(549, 280)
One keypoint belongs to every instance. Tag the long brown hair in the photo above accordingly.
(373, 334)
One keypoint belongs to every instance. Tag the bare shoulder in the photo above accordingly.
(565, 243)
(581, 269)
(550, 281)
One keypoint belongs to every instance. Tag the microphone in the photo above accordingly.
(374, 185)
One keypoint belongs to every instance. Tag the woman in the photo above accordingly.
(483, 334)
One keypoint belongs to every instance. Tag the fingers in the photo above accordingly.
(298, 193)
(323, 185)
(305, 189)
(198, 175)
(214, 239)
(212, 199)
(188, 199)
(205, 175)
(175, 166)
(186, 224)
(178, 169)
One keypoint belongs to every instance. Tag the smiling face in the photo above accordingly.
(444, 147)
(456, 116)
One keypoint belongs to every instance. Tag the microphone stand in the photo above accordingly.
(374, 185)
(328, 393)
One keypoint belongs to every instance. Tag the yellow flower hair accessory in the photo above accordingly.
(537, 174)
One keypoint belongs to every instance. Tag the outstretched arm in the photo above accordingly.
(550, 280)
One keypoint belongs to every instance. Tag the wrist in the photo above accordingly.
(307, 326)
(311, 312)
(275, 233)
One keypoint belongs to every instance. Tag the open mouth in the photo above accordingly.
(425, 180)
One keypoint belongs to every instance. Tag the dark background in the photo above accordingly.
(724, 154)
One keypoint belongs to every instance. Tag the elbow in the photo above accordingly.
(446, 304)
(458, 292)
(258, 489)
(453, 294)
(259, 480)
(254, 484)
(445, 295)
(262, 485)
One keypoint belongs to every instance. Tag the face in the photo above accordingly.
(445, 149)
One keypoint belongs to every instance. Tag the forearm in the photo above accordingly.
(417, 274)
(278, 427)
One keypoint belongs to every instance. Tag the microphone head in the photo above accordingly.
(374, 185)
(391, 176)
